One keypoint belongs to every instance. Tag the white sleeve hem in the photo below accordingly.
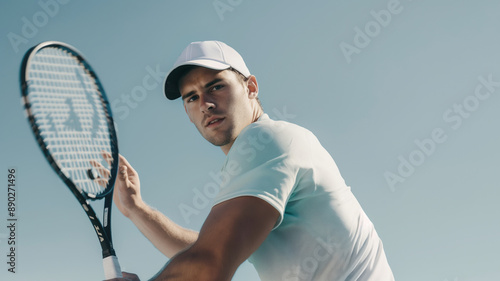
(275, 204)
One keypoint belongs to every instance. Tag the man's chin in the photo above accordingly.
(219, 141)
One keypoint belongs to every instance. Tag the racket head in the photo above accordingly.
(71, 118)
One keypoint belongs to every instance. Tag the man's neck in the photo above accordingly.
(255, 116)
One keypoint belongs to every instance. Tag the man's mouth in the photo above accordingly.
(214, 122)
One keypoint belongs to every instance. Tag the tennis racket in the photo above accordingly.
(72, 122)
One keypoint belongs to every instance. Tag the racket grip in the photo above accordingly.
(111, 267)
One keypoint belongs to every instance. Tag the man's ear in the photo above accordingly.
(253, 87)
(185, 109)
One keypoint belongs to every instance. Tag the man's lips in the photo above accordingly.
(214, 121)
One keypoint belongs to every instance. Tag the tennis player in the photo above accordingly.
(283, 204)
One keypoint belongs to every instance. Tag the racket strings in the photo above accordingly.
(72, 121)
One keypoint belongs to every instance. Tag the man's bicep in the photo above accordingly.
(235, 228)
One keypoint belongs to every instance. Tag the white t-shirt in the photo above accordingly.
(322, 232)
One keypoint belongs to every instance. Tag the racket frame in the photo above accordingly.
(102, 230)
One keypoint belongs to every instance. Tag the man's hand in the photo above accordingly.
(126, 277)
(127, 193)
(165, 235)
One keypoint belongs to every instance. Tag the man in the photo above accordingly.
(282, 203)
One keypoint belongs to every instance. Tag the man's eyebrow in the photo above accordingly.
(208, 85)
(215, 81)
(188, 95)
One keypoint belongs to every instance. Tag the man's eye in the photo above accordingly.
(217, 87)
(192, 98)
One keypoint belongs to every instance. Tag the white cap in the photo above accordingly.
(210, 54)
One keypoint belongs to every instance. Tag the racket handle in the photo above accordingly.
(111, 267)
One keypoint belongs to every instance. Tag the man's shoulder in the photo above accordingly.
(278, 127)
(269, 136)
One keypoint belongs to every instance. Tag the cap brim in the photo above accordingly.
(171, 88)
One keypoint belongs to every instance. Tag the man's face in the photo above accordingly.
(218, 103)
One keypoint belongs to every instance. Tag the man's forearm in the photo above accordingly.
(166, 236)
(193, 264)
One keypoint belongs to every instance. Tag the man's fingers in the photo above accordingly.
(102, 179)
(126, 277)
(125, 163)
(123, 172)
(130, 276)
(129, 170)
(108, 157)
(102, 182)
(100, 168)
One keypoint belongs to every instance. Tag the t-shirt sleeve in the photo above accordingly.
(260, 164)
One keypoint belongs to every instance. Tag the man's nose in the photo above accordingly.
(207, 104)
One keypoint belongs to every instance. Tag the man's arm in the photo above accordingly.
(166, 236)
(233, 230)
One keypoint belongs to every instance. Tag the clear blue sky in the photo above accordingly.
(396, 96)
